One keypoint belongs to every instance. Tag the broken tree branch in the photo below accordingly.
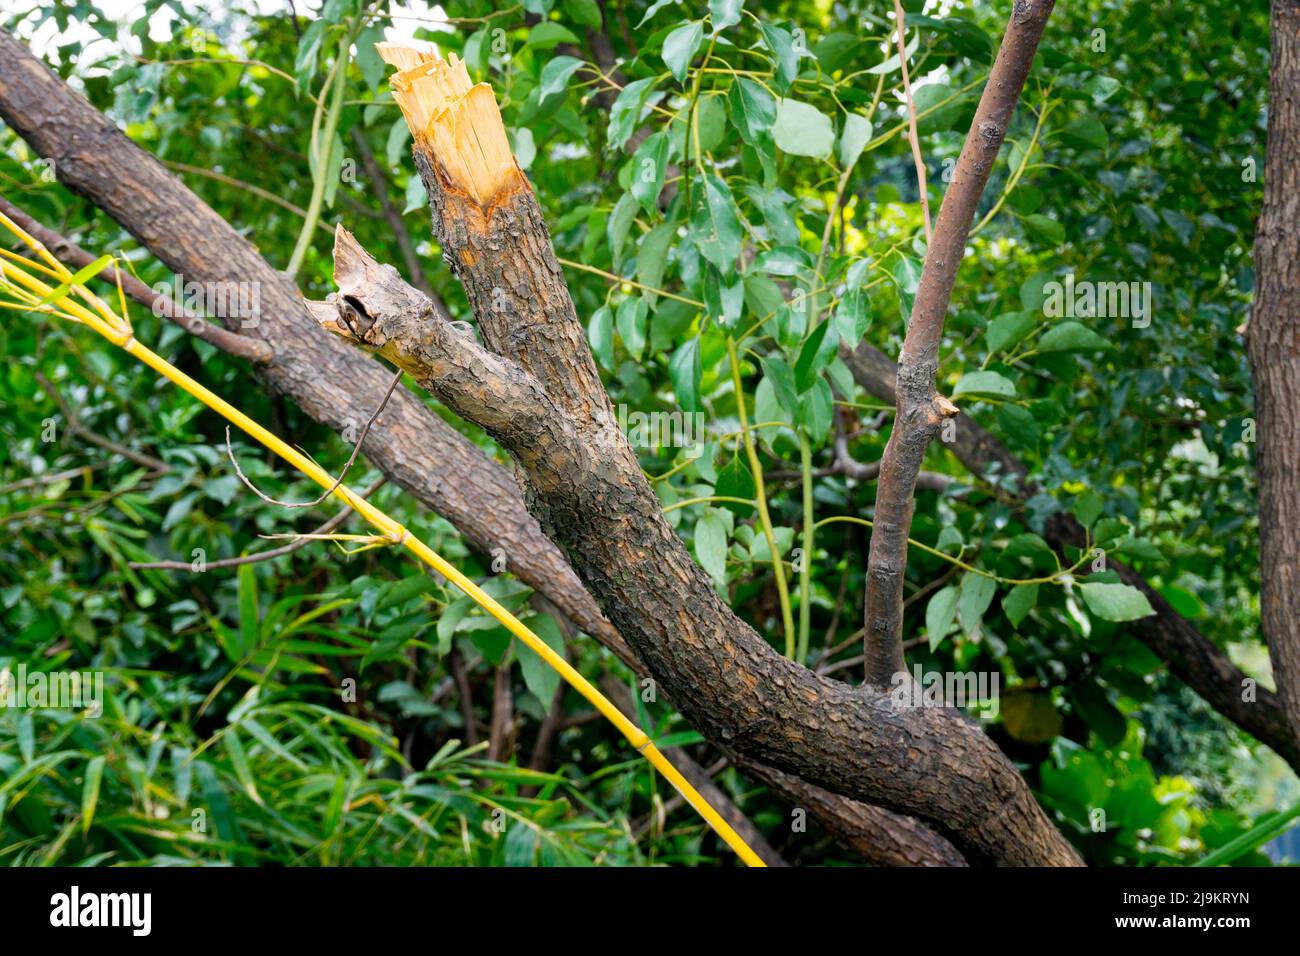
(585, 485)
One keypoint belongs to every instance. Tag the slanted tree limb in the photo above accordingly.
(585, 485)
(1273, 343)
(1191, 656)
(875, 834)
(921, 409)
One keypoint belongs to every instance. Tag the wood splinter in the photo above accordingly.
(457, 121)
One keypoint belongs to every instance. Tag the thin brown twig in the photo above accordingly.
(911, 116)
(75, 427)
(269, 555)
(356, 449)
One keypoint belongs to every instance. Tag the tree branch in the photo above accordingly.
(921, 409)
(71, 254)
(1192, 657)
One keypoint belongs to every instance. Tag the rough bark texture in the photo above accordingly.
(1275, 362)
(875, 834)
(1191, 656)
(542, 400)
(921, 410)
(331, 383)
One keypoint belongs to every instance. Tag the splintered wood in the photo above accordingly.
(457, 120)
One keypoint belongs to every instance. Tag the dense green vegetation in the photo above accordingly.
(777, 135)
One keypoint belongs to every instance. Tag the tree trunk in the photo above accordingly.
(1275, 362)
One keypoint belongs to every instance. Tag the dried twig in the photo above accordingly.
(75, 427)
(273, 553)
(356, 449)
(911, 116)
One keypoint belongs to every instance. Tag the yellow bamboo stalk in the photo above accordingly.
(117, 329)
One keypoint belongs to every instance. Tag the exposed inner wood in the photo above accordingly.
(458, 120)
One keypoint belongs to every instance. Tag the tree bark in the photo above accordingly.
(921, 410)
(1274, 351)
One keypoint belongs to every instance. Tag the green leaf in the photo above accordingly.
(1010, 329)
(584, 12)
(724, 13)
(711, 545)
(547, 35)
(778, 372)
(815, 355)
(555, 75)
(619, 224)
(984, 383)
(1115, 602)
(715, 225)
(939, 615)
(398, 136)
(1093, 705)
(631, 321)
(735, 481)
(600, 336)
(648, 165)
(786, 58)
(1019, 601)
(1071, 337)
(1086, 132)
(416, 196)
(652, 257)
(626, 111)
(852, 317)
(753, 110)
(309, 44)
(1046, 228)
(249, 619)
(90, 792)
(1087, 508)
(653, 9)
(976, 596)
(816, 410)
(684, 370)
(541, 679)
(369, 61)
(723, 302)
(803, 130)
(680, 47)
(853, 139)
(711, 118)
